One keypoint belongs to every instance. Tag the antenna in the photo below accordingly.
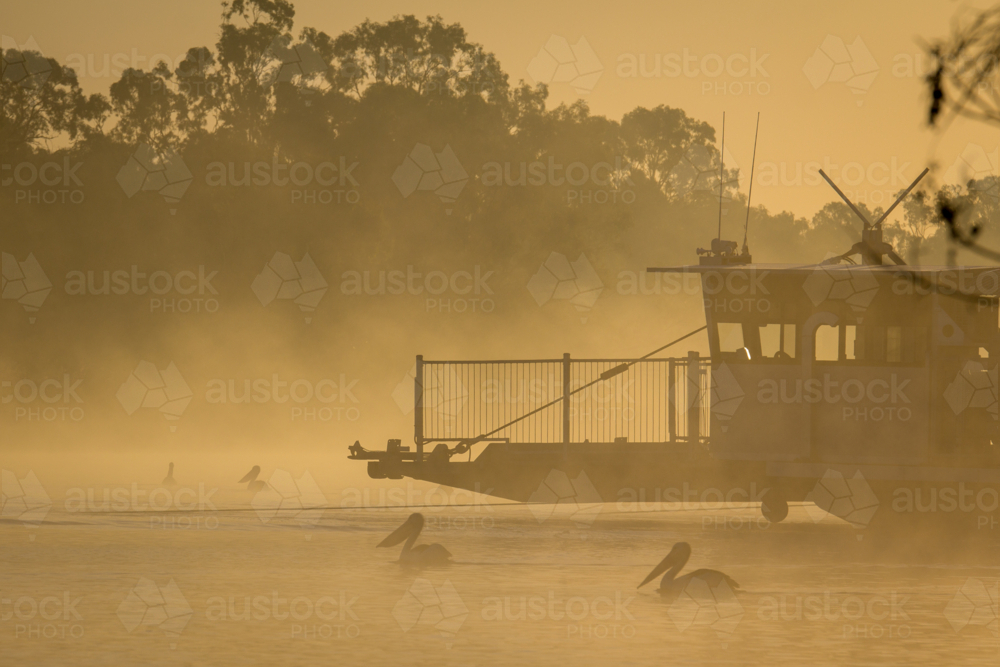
(725, 252)
(872, 247)
(878, 223)
(846, 200)
(722, 162)
(753, 162)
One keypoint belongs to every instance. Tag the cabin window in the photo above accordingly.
(853, 347)
(872, 344)
(827, 343)
(730, 337)
(777, 341)
(893, 344)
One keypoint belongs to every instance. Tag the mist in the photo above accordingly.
(615, 355)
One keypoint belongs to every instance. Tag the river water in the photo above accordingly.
(235, 583)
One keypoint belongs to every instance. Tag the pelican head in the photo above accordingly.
(410, 528)
(675, 561)
(421, 554)
(250, 479)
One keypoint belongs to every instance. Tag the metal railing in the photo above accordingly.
(541, 401)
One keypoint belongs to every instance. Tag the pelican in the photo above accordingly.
(169, 479)
(420, 555)
(253, 484)
(673, 586)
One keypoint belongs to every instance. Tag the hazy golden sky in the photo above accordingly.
(877, 133)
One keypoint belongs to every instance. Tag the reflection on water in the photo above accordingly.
(238, 585)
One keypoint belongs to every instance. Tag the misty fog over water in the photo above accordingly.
(434, 333)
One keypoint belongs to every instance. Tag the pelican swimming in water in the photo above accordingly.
(420, 555)
(253, 484)
(169, 479)
(672, 585)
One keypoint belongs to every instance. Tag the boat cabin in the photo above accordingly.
(847, 363)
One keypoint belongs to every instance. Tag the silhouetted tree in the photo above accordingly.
(657, 140)
(41, 101)
(428, 57)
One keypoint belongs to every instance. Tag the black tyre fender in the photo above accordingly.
(774, 505)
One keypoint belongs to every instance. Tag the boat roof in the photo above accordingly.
(806, 268)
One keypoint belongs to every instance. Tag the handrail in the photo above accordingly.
(568, 391)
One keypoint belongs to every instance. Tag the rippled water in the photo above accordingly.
(525, 588)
